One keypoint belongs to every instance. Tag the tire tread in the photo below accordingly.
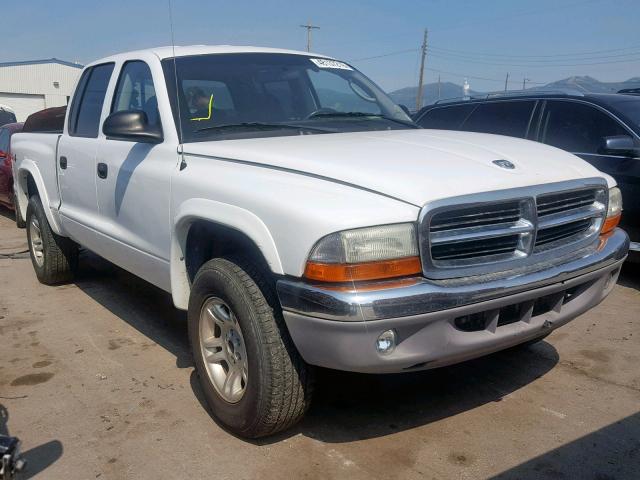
(292, 383)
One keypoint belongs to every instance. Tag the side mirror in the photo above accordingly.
(3, 154)
(131, 125)
(405, 109)
(621, 145)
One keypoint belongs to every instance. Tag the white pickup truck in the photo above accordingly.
(303, 220)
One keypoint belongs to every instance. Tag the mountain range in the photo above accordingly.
(407, 96)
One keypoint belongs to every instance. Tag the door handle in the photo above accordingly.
(103, 170)
(63, 163)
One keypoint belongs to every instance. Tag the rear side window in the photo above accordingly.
(4, 140)
(6, 117)
(577, 127)
(446, 118)
(501, 118)
(135, 91)
(85, 115)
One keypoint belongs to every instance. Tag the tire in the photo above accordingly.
(20, 223)
(277, 387)
(54, 258)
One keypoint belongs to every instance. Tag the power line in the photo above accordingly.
(474, 77)
(398, 52)
(444, 54)
(532, 61)
(465, 52)
(528, 65)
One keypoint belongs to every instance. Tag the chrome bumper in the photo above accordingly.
(430, 317)
(417, 296)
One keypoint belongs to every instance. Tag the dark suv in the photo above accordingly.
(603, 129)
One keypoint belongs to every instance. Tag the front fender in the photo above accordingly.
(224, 214)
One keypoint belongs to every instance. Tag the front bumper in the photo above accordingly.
(337, 327)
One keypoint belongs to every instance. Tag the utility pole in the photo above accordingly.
(420, 86)
(309, 27)
(438, 87)
(524, 82)
(506, 82)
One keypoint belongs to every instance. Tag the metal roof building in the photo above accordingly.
(34, 85)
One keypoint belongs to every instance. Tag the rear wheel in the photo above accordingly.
(253, 378)
(54, 258)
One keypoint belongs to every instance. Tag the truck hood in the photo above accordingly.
(415, 166)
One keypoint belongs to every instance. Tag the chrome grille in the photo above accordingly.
(495, 231)
(567, 215)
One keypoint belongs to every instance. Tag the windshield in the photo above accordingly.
(246, 95)
(629, 107)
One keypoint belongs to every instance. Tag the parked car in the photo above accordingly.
(303, 220)
(7, 196)
(7, 115)
(49, 120)
(603, 129)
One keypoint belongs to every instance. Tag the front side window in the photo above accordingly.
(576, 127)
(446, 118)
(135, 91)
(501, 118)
(246, 95)
(85, 118)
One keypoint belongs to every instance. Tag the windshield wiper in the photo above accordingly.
(262, 126)
(364, 114)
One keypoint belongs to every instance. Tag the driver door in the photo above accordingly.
(134, 184)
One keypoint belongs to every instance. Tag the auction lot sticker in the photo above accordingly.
(326, 63)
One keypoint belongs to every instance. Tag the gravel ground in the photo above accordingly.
(96, 379)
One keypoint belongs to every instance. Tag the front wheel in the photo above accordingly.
(253, 378)
(54, 258)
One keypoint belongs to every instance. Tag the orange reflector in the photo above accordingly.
(610, 223)
(341, 272)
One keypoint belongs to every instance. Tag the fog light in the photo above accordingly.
(386, 342)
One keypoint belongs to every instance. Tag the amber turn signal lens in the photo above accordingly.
(610, 223)
(341, 272)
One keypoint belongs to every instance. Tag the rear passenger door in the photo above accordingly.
(580, 128)
(76, 162)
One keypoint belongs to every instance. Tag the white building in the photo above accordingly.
(34, 85)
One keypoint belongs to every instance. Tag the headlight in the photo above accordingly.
(614, 211)
(370, 253)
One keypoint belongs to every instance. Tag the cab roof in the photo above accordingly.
(183, 51)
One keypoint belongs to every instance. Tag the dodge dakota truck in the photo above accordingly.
(304, 221)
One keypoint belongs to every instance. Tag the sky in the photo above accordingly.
(542, 41)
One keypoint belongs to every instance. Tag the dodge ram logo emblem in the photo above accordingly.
(504, 164)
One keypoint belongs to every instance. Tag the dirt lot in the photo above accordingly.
(97, 381)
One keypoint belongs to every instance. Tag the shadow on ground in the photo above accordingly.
(611, 453)
(38, 458)
(146, 308)
(630, 275)
(347, 406)
(6, 213)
